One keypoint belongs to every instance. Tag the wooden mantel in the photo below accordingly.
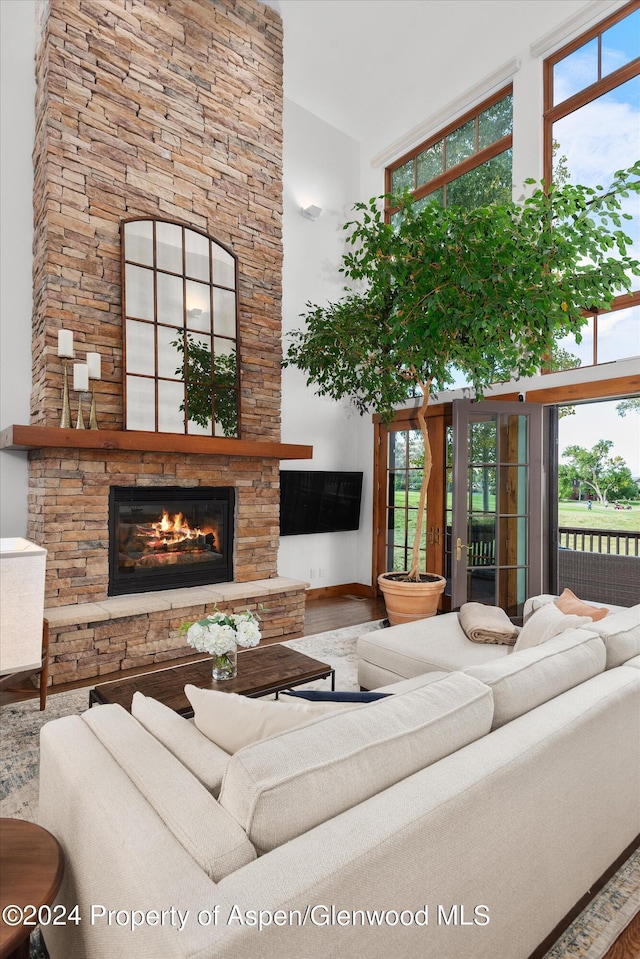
(52, 437)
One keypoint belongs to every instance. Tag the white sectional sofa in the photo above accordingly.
(461, 817)
(401, 652)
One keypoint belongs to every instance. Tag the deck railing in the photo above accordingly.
(614, 541)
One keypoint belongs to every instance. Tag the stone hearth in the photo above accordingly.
(125, 632)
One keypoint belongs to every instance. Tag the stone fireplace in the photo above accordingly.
(170, 109)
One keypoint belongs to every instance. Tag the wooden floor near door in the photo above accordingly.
(338, 612)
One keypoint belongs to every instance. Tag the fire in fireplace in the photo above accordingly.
(167, 537)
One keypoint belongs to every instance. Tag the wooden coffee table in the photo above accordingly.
(31, 869)
(261, 671)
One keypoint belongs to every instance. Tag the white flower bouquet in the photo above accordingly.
(219, 634)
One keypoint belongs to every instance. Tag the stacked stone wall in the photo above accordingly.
(167, 108)
(107, 640)
(170, 109)
(69, 511)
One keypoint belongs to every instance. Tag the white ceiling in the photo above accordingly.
(376, 69)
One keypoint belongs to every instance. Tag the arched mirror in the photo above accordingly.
(179, 292)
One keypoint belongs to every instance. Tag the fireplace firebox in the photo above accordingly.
(168, 537)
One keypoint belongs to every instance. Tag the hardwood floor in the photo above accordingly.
(336, 613)
(341, 611)
(627, 946)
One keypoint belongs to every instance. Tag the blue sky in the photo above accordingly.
(596, 421)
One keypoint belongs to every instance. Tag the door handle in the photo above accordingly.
(459, 547)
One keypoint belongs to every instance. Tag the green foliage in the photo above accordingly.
(562, 359)
(630, 405)
(203, 390)
(608, 477)
(487, 290)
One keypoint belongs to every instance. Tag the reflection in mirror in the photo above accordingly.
(141, 403)
(169, 247)
(139, 289)
(224, 267)
(139, 236)
(224, 312)
(140, 348)
(197, 256)
(172, 277)
(199, 307)
(202, 403)
(170, 308)
(169, 358)
(227, 412)
(170, 415)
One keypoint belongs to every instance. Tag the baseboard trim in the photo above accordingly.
(346, 589)
(597, 887)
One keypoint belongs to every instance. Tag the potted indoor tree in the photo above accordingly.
(485, 291)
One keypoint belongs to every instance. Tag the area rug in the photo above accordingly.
(589, 937)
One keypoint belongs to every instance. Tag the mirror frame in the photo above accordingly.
(153, 317)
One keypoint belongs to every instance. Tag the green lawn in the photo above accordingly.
(570, 513)
(574, 514)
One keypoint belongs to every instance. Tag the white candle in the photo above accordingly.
(93, 363)
(80, 376)
(65, 343)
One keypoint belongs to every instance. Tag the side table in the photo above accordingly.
(31, 868)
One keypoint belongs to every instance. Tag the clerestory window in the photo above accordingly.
(467, 164)
(592, 129)
(179, 291)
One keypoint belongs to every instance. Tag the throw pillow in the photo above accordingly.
(232, 721)
(546, 622)
(568, 602)
(334, 696)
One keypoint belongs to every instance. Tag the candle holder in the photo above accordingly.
(80, 417)
(65, 418)
(93, 419)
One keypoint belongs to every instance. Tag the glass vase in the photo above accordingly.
(225, 666)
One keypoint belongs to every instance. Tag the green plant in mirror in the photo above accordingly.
(211, 385)
(487, 291)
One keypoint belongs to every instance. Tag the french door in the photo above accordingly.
(484, 507)
(496, 531)
(399, 468)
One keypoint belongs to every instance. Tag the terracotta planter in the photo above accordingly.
(407, 602)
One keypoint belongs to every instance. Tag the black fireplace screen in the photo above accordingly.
(168, 537)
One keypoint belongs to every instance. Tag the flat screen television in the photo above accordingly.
(319, 501)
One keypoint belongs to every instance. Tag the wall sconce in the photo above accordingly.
(311, 212)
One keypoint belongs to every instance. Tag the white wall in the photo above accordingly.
(17, 127)
(321, 167)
